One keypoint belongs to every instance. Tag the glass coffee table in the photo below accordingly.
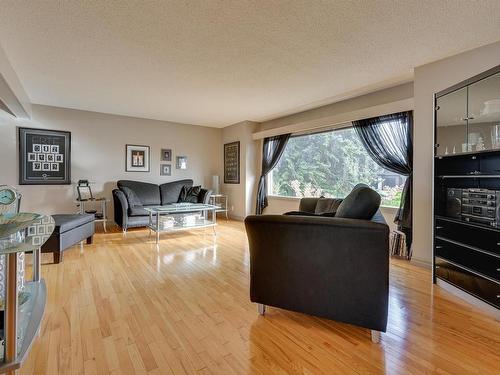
(181, 216)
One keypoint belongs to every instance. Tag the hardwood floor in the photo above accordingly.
(124, 307)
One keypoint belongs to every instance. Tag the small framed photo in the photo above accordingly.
(54, 149)
(37, 148)
(45, 166)
(41, 229)
(166, 154)
(32, 230)
(36, 240)
(165, 170)
(59, 158)
(137, 158)
(50, 157)
(37, 166)
(181, 162)
(45, 149)
(54, 167)
(31, 156)
(40, 157)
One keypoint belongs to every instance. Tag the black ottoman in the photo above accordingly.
(69, 230)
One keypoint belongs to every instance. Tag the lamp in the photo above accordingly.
(215, 184)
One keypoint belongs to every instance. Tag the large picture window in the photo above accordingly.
(329, 164)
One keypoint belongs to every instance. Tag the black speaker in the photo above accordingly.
(454, 203)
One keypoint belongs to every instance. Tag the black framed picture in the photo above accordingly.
(232, 163)
(165, 169)
(166, 154)
(137, 158)
(44, 157)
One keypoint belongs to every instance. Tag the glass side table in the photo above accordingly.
(22, 309)
(100, 216)
(220, 200)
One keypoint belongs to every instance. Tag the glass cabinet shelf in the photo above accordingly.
(467, 118)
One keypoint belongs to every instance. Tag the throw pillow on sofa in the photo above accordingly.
(189, 194)
(361, 203)
(132, 198)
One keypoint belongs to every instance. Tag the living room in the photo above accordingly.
(249, 187)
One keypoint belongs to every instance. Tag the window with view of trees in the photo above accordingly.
(329, 164)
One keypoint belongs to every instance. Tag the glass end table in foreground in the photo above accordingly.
(22, 302)
(181, 216)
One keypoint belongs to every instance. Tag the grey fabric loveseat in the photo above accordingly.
(331, 267)
(131, 197)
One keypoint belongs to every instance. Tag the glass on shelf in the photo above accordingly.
(451, 123)
(484, 114)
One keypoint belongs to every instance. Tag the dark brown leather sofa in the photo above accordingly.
(330, 267)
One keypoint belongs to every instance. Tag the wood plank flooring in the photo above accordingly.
(122, 306)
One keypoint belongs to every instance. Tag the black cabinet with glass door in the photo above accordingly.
(467, 187)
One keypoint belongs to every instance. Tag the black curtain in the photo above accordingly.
(389, 141)
(271, 153)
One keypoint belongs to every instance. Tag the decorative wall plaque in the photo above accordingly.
(44, 157)
(232, 163)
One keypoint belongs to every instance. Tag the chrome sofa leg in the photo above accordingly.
(375, 336)
(262, 308)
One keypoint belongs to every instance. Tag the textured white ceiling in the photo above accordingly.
(215, 63)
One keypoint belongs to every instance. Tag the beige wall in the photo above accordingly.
(390, 95)
(429, 79)
(98, 149)
(242, 196)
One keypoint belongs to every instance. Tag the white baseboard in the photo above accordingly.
(421, 263)
(237, 218)
(469, 298)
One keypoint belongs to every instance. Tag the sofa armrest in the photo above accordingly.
(204, 196)
(331, 267)
(120, 208)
